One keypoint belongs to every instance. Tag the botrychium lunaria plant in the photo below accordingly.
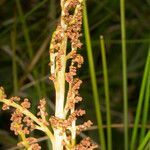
(61, 128)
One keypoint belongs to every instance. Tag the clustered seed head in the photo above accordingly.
(17, 125)
(73, 21)
(12, 99)
(69, 28)
(56, 49)
(42, 108)
(29, 123)
(15, 99)
(42, 112)
(65, 124)
(84, 126)
(35, 146)
(85, 144)
(5, 107)
(22, 124)
(73, 93)
(26, 104)
(32, 142)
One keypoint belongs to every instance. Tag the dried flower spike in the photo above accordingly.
(63, 122)
(68, 31)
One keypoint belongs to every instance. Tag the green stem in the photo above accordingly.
(146, 109)
(124, 65)
(145, 140)
(25, 29)
(93, 77)
(28, 42)
(106, 86)
(140, 101)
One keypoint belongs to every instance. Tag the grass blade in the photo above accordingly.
(93, 78)
(140, 101)
(146, 108)
(25, 29)
(28, 42)
(124, 63)
(106, 86)
(145, 140)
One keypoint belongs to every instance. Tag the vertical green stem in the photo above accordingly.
(27, 39)
(140, 101)
(146, 108)
(106, 86)
(124, 63)
(93, 77)
(25, 29)
(145, 140)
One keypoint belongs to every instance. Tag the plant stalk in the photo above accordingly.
(124, 65)
(140, 101)
(93, 77)
(106, 86)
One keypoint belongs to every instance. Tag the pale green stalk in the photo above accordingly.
(106, 87)
(60, 79)
(124, 69)
(93, 78)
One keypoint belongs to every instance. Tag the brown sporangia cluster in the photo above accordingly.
(85, 144)
(22, 124)
(64, 47)
(73, 94)
(69, 31)
(84, 126)
(65, 124)
(12, 99)
(42, 112)
(31, 142)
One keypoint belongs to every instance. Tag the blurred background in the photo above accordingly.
(26, 27)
